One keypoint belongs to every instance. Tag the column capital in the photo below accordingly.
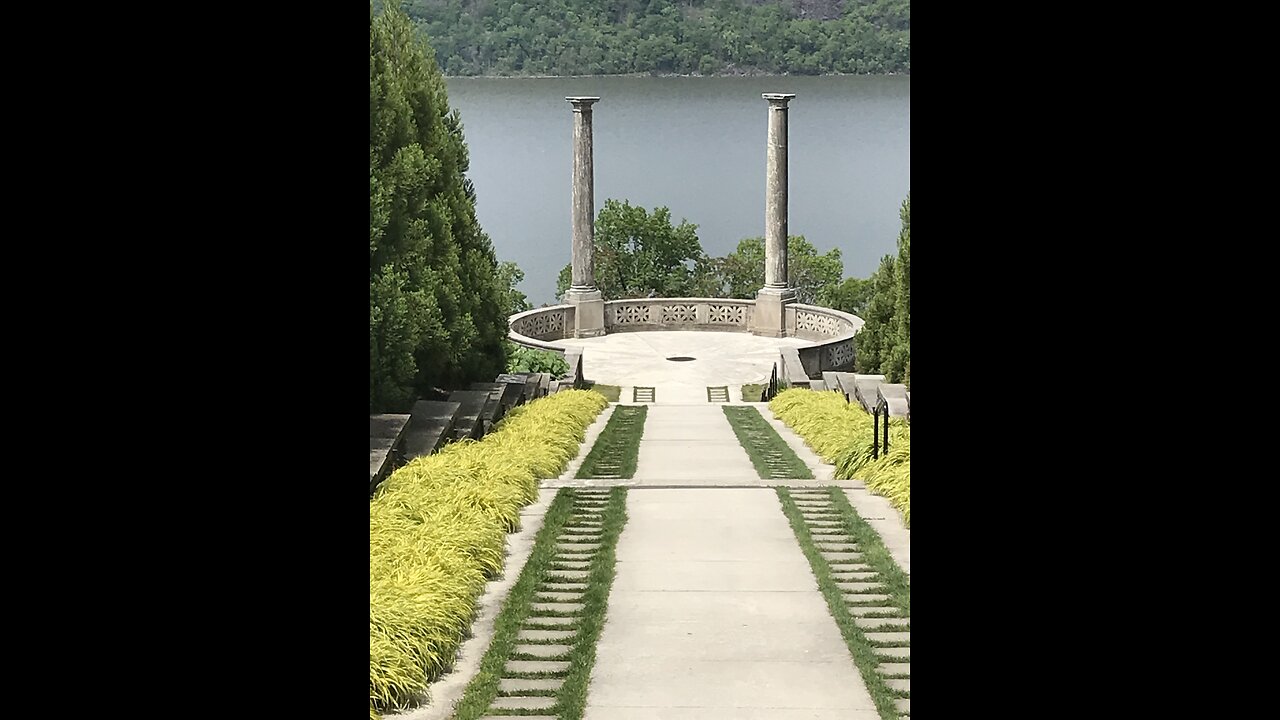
(582, 103)
(778, 100)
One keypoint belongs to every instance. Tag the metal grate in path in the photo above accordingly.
(642, 394)
(718, 394)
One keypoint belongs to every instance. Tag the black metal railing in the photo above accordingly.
(875, 431)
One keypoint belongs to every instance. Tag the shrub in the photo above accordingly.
(840, 432)
(437, 527)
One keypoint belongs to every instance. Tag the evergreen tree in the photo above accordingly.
(437, 307)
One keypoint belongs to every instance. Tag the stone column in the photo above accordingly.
(770, 316)
(582, 293)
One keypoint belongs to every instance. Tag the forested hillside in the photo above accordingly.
(683, 37)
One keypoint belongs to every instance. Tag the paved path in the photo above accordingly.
(720, 359)
(690, 445)
(715, 615)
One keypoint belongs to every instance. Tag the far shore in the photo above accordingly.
(663, 75)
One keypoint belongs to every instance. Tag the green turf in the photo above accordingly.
(616, 450)
(769, 453)
(889, 575)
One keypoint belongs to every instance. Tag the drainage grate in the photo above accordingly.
(642, 394)
(718, 394)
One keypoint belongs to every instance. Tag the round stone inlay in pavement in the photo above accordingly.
(681, 358)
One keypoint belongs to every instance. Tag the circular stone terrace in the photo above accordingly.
(645, 341)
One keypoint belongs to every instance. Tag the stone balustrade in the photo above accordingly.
(830, 330)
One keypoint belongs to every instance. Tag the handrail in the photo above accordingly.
(875, 430)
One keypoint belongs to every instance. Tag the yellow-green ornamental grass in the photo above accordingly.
(436, 532)
(840, 432)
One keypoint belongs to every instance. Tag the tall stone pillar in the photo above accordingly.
(582, 294)
(770, 317)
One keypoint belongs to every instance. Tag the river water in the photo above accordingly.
(695, 145)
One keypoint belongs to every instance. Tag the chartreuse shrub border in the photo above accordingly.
(437, 529)
(571, 699)
(840, 432)
(895, 582)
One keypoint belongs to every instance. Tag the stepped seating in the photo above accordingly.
(895, 394)
(468, 423)
(431, 427)
(386, 431)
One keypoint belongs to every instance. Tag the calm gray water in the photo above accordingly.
(695, 145)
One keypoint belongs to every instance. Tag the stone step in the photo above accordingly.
(467, 423)
(860, 598)
(889, 668)
(546, 635)
(893, 637)
(903, 706)
(523, 703)
(845, 577)
(867, 623)
(571, 566)
(534, 623)
(513, 685)
(542, 651)
(534, 666)
(430, 428)
(897, 653)
(899, 684)
(847, 570)
(857, 587)
(563, 587)
(842, 558)
(558, 607)
(522, 717)
(833, 546)
(544, 596)
(872, 610)
(580, 539)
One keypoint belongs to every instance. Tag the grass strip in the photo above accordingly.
(615, 451)
(875, 556)
(763, 444)
(571, 698)
(573, 694)
(483, 688)
(612, 393)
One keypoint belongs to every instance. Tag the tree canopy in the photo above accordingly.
(638, 253)
(707, 37)
(437, 304)
(884, 343)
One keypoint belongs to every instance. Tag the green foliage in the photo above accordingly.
(436, 532)
(841, 433)
(734, 37)
(523, 359)
(740, 274)
(437, 304)
(849, 296)
(638, 253)
(884, 343)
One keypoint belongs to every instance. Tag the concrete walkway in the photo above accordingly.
(690, 445)
(715, 615)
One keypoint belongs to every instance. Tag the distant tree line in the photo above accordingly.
(682, 37)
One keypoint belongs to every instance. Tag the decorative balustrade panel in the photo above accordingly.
(727, 315)
(679, 314)
(541, 326)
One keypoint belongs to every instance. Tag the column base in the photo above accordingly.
(588, 312)
(770, 316)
